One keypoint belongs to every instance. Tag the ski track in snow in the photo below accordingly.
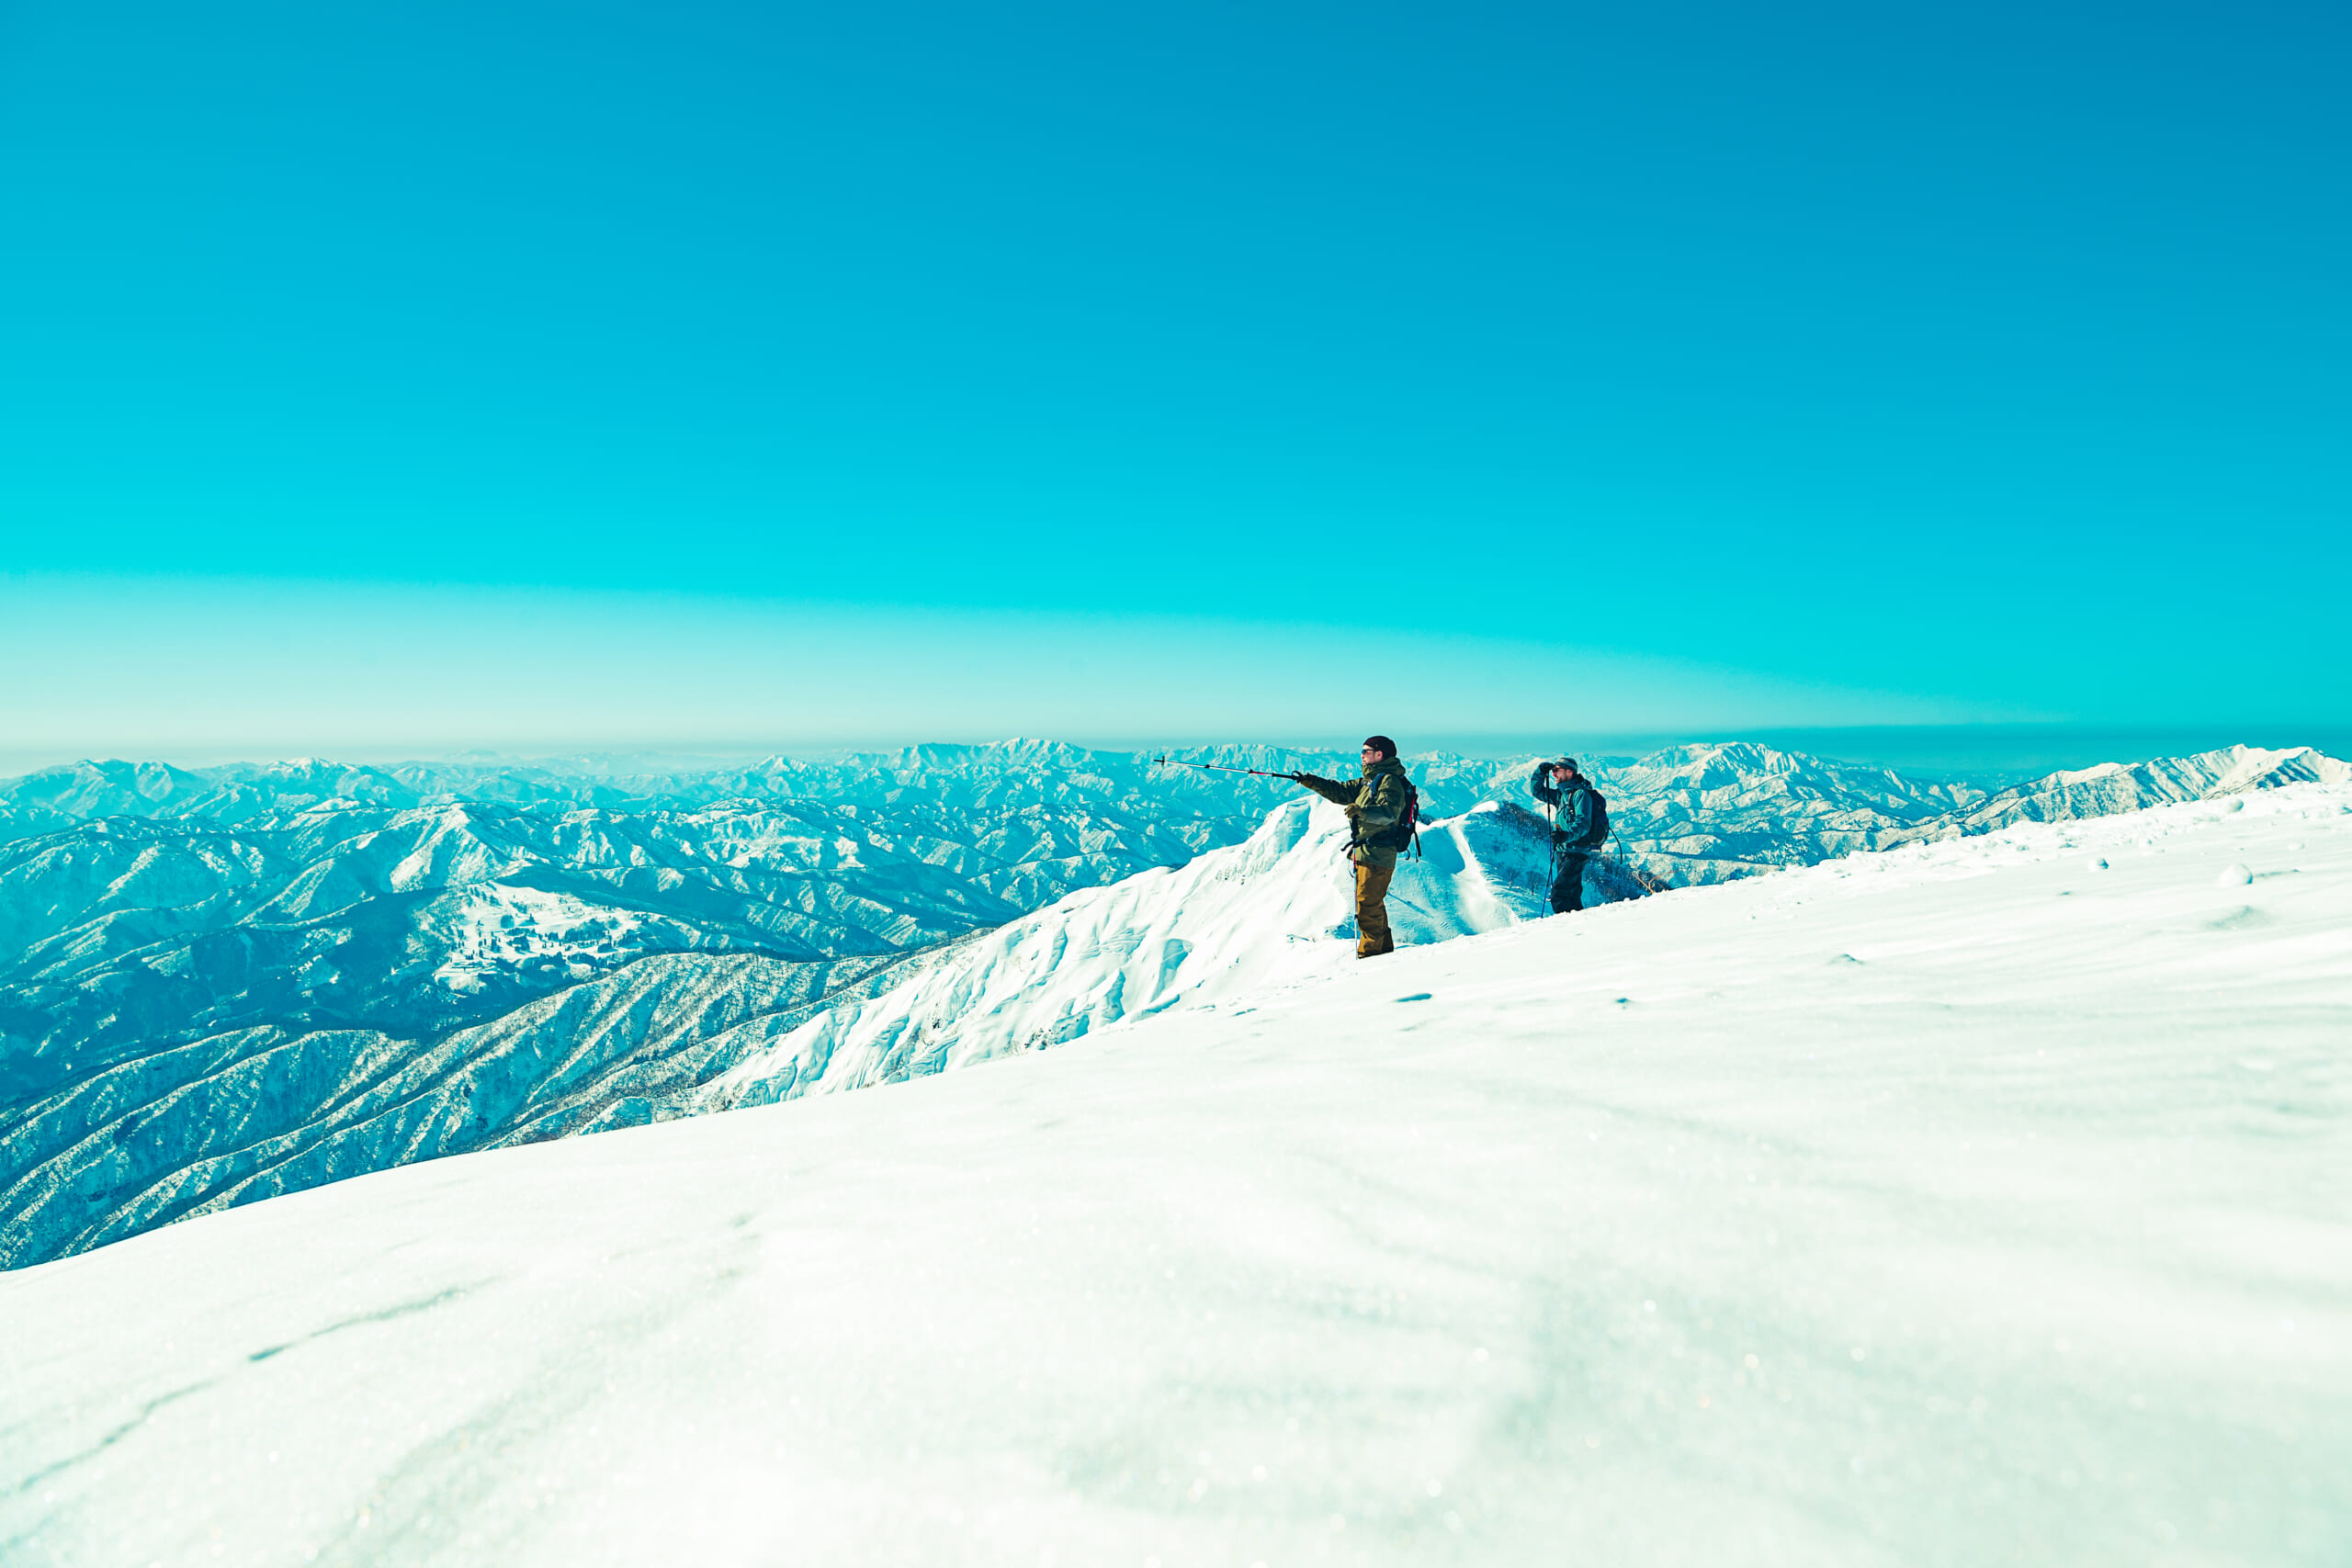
(1972, 1202)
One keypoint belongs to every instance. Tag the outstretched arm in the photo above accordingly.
(1329, 789)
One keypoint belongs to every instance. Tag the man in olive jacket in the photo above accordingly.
(1375, 805)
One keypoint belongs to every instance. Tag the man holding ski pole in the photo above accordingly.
(1381, 807)
(1580, 825)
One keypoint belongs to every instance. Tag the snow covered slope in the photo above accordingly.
(2112, 787)
(274, 1102)
(255, 1112)
(123, 936)
(1229, 925)
(224, 985)
(147, 908)
(1693, 815)
(1982, 1201)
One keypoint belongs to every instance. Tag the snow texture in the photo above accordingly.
(258, 1111)
(226, 985)
(1944, 1206)
(1228, 924)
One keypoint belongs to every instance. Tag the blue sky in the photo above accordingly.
(983, 369)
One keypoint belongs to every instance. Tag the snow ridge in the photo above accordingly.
(344, 971)
(1975, 1201)
(251, 1112)
(1234, 923)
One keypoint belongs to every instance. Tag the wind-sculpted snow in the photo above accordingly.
(1976, 1202)
(244, 1110)
(161, 928)
(1234, 922)
(191, 1013)
(240, 946)
(249, 1113)
(316, 894)
(1699, 814)
(2111, 788)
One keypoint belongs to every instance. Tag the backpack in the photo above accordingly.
(1597, 834)
(1409, 819)
(1400, 836)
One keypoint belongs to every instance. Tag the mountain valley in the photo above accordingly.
(224, 983)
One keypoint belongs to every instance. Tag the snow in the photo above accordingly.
(2227, 775)
(498, 926)
(1945, 1206)
(1227, 925)
(253, 1112)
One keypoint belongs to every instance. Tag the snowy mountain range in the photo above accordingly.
(227, 984)
(1973, 1201)
(133, 1134)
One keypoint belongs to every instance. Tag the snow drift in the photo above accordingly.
(257, 1111)
(224, 984)
(1232, 923)
(1978, 1202)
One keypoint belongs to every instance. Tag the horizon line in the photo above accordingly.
(714, 755)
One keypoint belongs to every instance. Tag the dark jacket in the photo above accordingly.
(1375, 805)
(1577, 812)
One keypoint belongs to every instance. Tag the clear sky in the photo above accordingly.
(395, 374)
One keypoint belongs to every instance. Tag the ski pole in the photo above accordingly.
(1551, 845)
(1167, 761)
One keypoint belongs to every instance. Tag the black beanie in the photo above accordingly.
(1383, 742)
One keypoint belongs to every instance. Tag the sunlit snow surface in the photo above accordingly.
(1217, 930)
(1968, 1203)
(215, 988)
